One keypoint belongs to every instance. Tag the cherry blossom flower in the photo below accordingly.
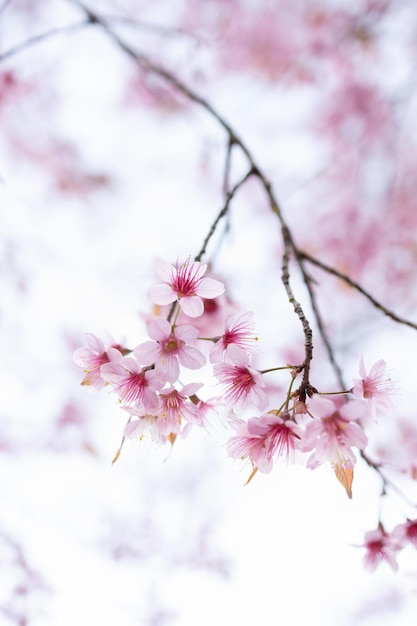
(209, 415)
(262, 438)
(379, 547)
(184, 282)
(243, 384)
(376, 387)
(331, 434)
(90, 358)
(146, 423)
(236, 340)
(176, 405)
(169, 349)
(406, 533)
(132, 383)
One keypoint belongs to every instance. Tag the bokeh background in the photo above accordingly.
(104, 168)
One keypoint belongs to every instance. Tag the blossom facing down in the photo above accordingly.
(331, 434)
(406, 533)
(176, 405)
(132, 383)
(91, 357)
(169, 349)
(260, 439)
(375, 387)
(243, 384)
(237, 339)
(184, 282)
(379, 547)
(146, 423)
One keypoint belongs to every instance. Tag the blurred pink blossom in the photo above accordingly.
(379, 547)
(376, 387)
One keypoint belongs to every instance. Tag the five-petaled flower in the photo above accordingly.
(262, 438)
(169, 349)
(237, 339)
(332, 433)
(91, 357)
(406, 533)
(376, 387)
(380, 546)
(132, 383)
(176, 405)
(184, 282)
(243, 384)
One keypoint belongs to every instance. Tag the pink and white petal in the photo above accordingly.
(210, 288)
(164, 270)
(191, 305)
(113, 372)
(162, 294)
(168, 368)
(147, 353)
(377, 369)
(159, 329)
(95, 343)
(191, 388)
(186, 333)
(191, 358)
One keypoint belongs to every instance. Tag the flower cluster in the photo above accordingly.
(151, 385)
(146, 379)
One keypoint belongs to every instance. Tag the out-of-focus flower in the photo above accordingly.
(379, 547)
(376, 387)
(406, 533)
(184, 282)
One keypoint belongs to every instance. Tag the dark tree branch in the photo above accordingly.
(355, 285)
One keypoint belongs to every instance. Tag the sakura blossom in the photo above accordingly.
(184, 283)
(176, 405)
(376, 387)
(380, 547)
(243, 385)
(260, 439)
(237, 339)
(144, 423)
(132, 383)
(91, 357)
(169, 349)
(406, 533)
(331, 434)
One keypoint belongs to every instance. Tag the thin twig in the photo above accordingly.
(306, 389)
(32, 41)
(355, 285)
(221, 214)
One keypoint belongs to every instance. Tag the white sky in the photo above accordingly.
(157, 540)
